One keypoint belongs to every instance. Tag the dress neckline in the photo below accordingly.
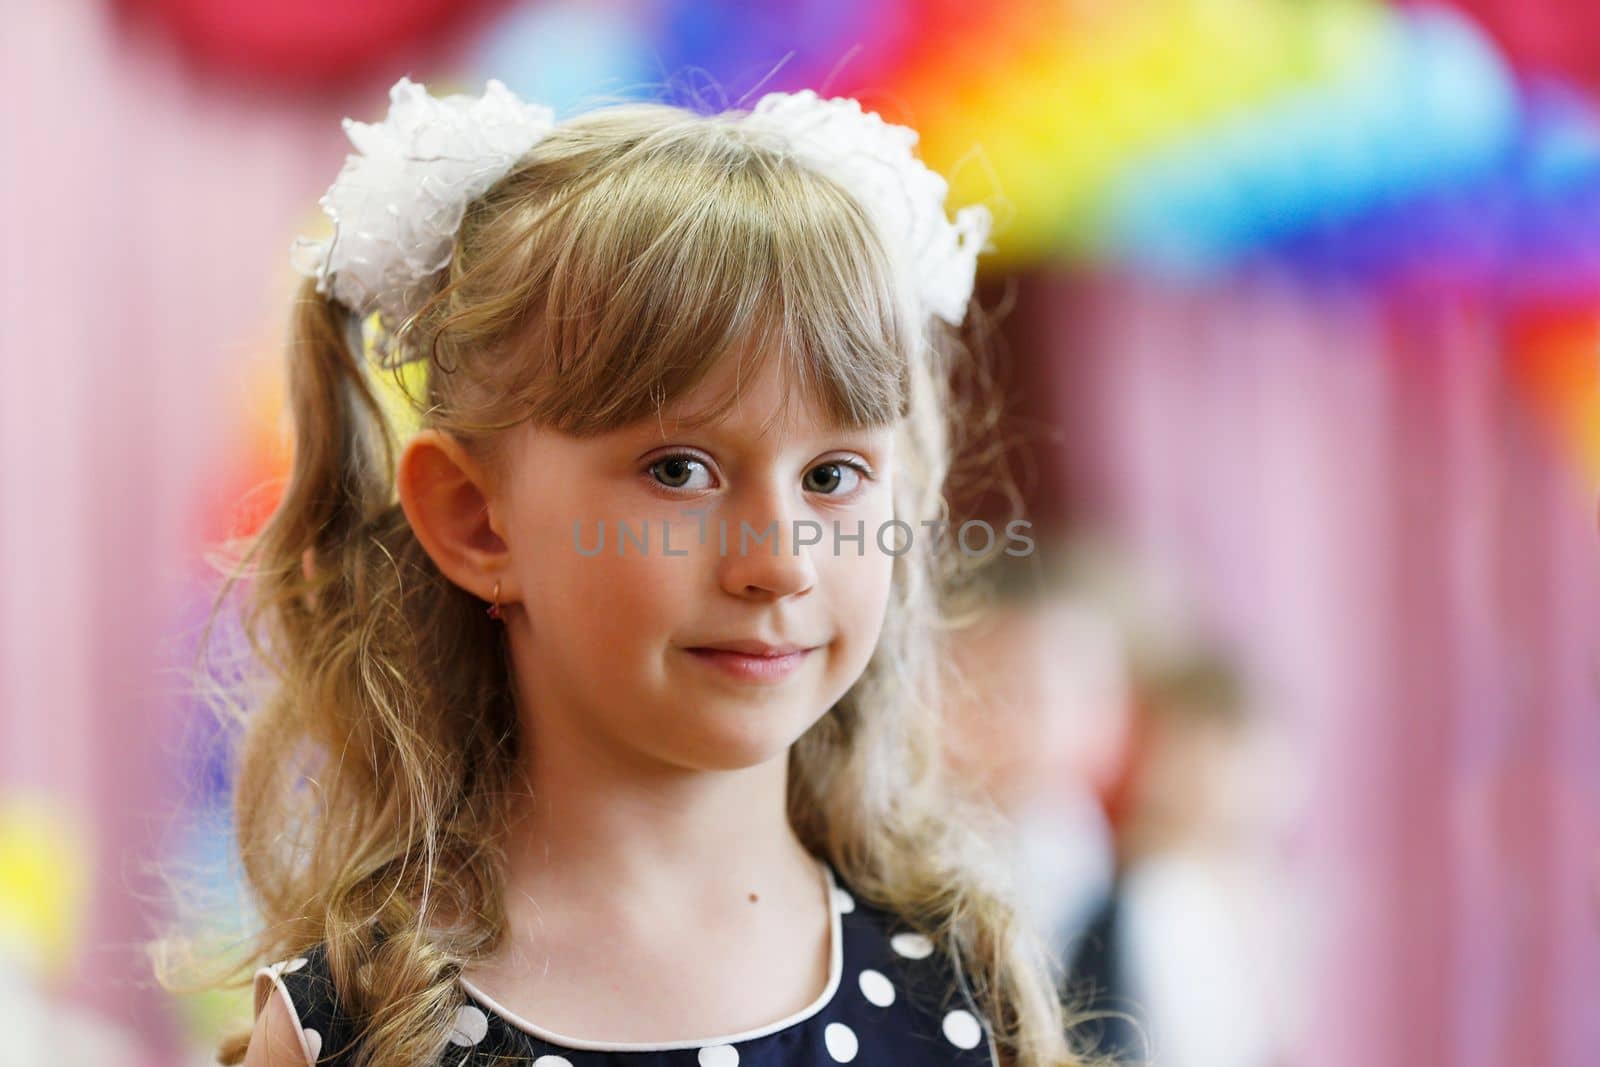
(835, 972)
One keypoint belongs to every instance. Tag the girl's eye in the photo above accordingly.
(675, 472)
(833, 478)
(830, 475)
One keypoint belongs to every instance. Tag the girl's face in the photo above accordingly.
(622, 583)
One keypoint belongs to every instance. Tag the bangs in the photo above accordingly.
(699, 246)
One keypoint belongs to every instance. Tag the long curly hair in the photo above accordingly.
(635, 247)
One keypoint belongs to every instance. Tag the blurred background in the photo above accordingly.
(1294, 708)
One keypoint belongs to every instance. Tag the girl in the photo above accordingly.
(603, 725)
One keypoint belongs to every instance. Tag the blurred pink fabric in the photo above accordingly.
(147, 225)
(1410, 567)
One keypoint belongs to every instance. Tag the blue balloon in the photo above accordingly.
(1527, 228)
(568, 56)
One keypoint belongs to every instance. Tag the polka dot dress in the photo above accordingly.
(891, 1000)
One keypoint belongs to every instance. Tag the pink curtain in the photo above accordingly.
(1408, 565)
(147, 221)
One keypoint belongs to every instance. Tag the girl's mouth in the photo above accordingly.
(751, 667)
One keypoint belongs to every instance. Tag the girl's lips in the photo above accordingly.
(752, 668)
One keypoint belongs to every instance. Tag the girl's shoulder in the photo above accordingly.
(331, 1034)
(306, 986)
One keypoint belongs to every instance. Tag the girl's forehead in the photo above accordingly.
(738, 433)
(748, 394)
(751, 420)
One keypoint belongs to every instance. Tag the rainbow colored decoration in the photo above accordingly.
(1174, 134)
(1333, 137)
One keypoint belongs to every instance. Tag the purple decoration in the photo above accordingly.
(715, 52)
(1529, 229)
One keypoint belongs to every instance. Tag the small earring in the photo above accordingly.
(494, 609)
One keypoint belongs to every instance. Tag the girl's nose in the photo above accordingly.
(770, 560)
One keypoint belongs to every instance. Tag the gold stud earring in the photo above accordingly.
(494, 609)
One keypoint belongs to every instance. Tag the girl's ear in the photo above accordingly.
(449, 500)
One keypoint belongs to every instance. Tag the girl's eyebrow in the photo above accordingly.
(666, 428)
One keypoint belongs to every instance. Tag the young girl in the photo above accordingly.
(605, 704)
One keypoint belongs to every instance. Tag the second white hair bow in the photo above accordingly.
(873, 160)
(399, 199)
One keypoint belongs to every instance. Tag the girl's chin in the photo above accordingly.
(742, 733)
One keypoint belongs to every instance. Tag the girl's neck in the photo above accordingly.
(654, 840)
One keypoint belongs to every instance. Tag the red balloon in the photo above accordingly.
(320, 42)
(1544, 36)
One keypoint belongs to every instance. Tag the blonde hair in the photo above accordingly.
(629, 252)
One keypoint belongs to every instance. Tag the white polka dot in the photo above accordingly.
(843, 901)
(962, 1029)
(313, 1042)
(719, 1056)
(911, 946)
(841, 1042)
(471, 1025)
(552, 1061)
(877, 988)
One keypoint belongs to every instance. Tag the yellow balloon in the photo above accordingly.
(44, 879)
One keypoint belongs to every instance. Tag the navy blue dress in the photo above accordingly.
(890, 1000)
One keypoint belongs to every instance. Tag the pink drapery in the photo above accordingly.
(146, 235)
(1407, 561)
